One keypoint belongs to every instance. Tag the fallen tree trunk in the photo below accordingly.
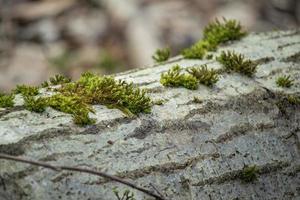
(241, 141)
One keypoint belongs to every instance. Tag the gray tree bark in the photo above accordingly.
(187, 150)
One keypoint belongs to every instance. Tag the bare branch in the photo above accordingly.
(88, 171)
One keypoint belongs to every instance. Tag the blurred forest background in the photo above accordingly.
(40, 38)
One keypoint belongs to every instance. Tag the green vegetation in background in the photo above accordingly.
(215, 33)
(175, 78)
(62, 61)
(6, 100)
(232, 61)
(284, 81)
(204, 75)
(161, 55)
(109, 63)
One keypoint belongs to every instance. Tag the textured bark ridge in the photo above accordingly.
(187, 150)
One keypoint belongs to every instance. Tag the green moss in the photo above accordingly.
(73, 105)
(293, 99)
(56, 80)
(284, 81)
(232, 61)
(198, 50)
(218, 32)
(249, 174)
(175, 78)
(161, 55)
(209, 56)
(127, 194)
(77, 97)
(26, 90)
(110, 92)
(159, 102)
(35, 104)
(6, 100)
(215, 33)
(204, 75)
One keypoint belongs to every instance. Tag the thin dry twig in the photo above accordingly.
(88, 171)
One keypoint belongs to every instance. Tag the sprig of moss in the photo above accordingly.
(197, 100)
(127, 194)
(174, 78)
(218, 32)
(56, 80)
(35, 104)
(26, 90)
(161, 55)
(198, 50)
(214, 34)
(284, 81)
(204, 75)
(237, 62)
(73, 105)
(249, 174)
(6, 100)
(293, 99)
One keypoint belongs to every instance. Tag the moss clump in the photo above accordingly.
(293, 99)
(161, 55)
(174, 78)
(198, 50)
(284, 81)
(35, 104)
(204, 75)
(110, 92)
(214, 34)
(249, 174)
(56, 80)
(232, 61)
(26, 90)
(73, 105)
(218, 32)
(6, 100)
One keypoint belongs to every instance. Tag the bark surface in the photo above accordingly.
(188, 150)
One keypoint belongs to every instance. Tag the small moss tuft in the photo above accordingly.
(174, 78)
(249, 174)
(215, 33)
(35, 104)
(56, 80)
(204, 75)
(237, 63)
(26, 90)
(197, 100)
(218, 32)
(198, 50)
(161, 55)
(6, 100)
(293, 99)
(284, 81)
(127, 194)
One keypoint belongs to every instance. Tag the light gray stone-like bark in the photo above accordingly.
(188, 150)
